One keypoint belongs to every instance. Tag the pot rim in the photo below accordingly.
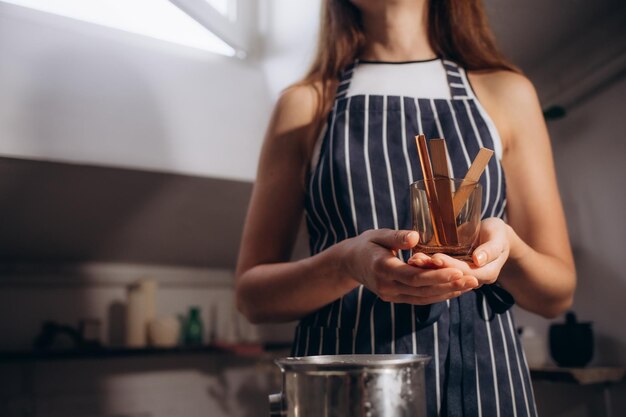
(351, 362)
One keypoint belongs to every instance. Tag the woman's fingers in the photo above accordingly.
(399, 282)
(421, 260)
(464, 283)
(450, 262)
(416, 277)
(407, 299)
(486, 274)
(393, 239)
(488, 252)
(493, 241)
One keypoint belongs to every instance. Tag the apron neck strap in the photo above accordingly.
(456, 80)
(344, 80)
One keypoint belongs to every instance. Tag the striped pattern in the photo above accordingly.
(367, 161)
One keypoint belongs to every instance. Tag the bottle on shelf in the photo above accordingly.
(194, 328)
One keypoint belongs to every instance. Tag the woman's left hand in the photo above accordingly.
(488, 258)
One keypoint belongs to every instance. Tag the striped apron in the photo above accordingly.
(361, 181)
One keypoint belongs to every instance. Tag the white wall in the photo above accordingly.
(72, 91)
(289, 38)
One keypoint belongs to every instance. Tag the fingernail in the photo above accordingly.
(481, 258)
(409, 236)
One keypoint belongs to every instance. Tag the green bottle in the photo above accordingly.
(194, 328)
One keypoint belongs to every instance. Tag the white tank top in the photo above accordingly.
(421, 79)
(424, 79)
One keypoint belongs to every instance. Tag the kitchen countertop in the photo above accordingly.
(582, 376)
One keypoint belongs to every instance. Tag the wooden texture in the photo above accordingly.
(439, 161)
(582, 376)
(431, 193)
(473, 175)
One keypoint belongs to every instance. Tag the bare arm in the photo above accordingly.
(271, 288)
(266, 284)
(540, 271)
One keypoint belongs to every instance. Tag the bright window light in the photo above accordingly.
(227, 8)
(158, 19)
(221, 6)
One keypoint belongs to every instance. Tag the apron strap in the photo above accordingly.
(456, 81)
(344, 80)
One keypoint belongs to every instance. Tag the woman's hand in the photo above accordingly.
(371, 259)
(488, 258)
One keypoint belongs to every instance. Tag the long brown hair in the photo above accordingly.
(457, 30)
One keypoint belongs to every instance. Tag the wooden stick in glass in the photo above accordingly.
(431, 193)
(439, 160)
(473, 175)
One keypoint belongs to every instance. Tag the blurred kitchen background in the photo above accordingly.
(129, 137)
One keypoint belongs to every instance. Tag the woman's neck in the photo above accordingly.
(396, 31)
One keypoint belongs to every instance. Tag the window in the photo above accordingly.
(210, 25)
(225, 7)
(232, 20)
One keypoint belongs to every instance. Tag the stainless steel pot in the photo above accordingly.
(351, 386)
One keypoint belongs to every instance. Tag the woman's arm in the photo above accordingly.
(271, 288)
(540, 272)
(266, 286)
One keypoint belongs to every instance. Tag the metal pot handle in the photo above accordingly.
(277, 405)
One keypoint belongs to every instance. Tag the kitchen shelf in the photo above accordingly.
(581, 376)
(248, 350)
(605, 377)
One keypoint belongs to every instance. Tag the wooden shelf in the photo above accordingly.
(581, 376)
(250, 350)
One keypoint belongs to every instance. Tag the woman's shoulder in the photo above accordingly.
(300, 105)
(295, 123)
(297, 103)
(508, 97)
(300, 108)
(503, 86)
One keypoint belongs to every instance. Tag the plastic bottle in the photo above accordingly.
(135, 317)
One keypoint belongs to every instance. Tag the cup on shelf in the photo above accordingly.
(164, 332)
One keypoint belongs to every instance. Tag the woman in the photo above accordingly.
(340, 147)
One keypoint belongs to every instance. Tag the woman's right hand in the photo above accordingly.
(372, 260)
